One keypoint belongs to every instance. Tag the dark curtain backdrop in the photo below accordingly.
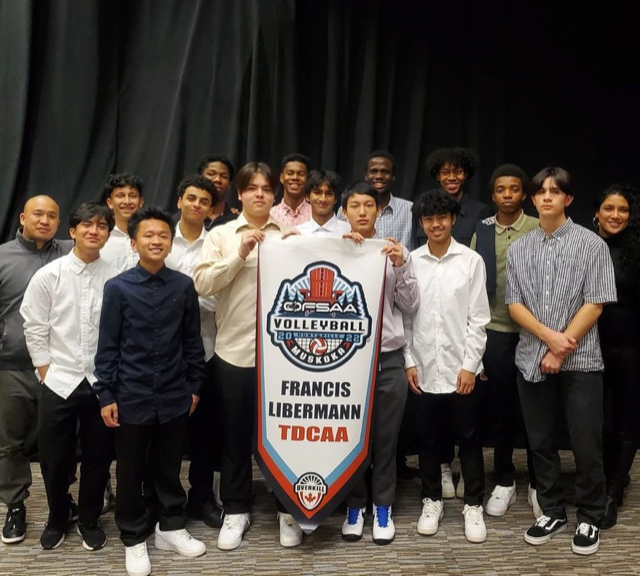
(88, 88)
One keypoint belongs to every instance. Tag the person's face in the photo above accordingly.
(613, 215)
(90, 235)
(550, 201)
(322, 200)
(124, 201)
(293, 178)
(438, 227)
(508, 194)
(451, 178)
(380, 174)
(40, 219)
(361, 213)
(194, 205)
(153, 241)
(219, 174)
(258, 197)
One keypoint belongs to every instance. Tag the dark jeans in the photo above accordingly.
(388, 408)
(156, 449)
(503, 415)
(58, 422)
(576, 396)
(235, 394)
(458, 414)
(205, 444)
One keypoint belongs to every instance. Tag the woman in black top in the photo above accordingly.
(618, 222)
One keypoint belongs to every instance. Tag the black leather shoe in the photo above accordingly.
(15, 525)
(208, 513)
(610, 518)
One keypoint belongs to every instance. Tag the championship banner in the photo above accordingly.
(318, 333)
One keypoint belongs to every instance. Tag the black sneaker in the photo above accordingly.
(73, 509)
(93, 537)
(544, 529)
(15, 525)
(51, 537)
(208, 513)
(586, 540)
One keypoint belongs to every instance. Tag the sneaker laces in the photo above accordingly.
(543, 521)
(382, 515)
(353, 515)
(447, 473)
(139, 550)
(232, 521)
(584, 529)
(13, 517)
(430, 507)
(183, 534)
(473, 514)
(501, 493)
(288, 520)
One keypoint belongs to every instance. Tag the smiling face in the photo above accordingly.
(322, 200)
(194, 205)
(380, 174)
(550, 201)
(451, 178)
(613, 215)
(124, 201)
(293, 177)
(219, 174)
(40, 219)
(508, 195)
(152, 242)
(362, 212)
(90, 236)
(438, 228)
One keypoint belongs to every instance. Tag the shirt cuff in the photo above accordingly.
(106, 397)
(409, 361)
(40, 359)
(471, 365)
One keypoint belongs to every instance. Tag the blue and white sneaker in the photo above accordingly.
(353, 524)
(384, 530)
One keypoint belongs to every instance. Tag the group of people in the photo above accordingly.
(138, 336)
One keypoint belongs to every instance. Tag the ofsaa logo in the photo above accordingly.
(310, 489)
(319, 319)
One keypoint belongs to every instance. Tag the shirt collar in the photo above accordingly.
(464, 200)
(117, 232)
(301, 209)
(392, 205)
(454, 248)
(30, 244)
(329, 226)
(517, 225)
(78, 266)
(241, 222)
(559, 233)
(141, 275)
(179, 235)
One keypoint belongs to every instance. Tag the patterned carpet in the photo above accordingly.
(324, 552)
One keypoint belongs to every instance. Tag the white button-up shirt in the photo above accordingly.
(118, 252)
(183, 258)
(334, 228)
(61, 311)
(447, 332)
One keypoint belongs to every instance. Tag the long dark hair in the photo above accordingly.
(630, 236)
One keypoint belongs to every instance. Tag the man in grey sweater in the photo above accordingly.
(20, 258)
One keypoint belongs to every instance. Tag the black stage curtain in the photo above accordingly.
(89, 87)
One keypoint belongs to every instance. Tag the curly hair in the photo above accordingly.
(630, 236)
(510, 170)
(199, 182)
(204, 162)
(434, 203)
(121, 181)
(457, 157)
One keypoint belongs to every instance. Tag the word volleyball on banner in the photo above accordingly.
(318, 332)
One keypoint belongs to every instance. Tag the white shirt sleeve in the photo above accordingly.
(35, 308)
(478, 317)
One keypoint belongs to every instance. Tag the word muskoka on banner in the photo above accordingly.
(318, 332)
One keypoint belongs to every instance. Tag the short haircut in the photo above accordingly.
(88, 211)
(149, 213)
(199, 182)
(510, 170)
(296, 157)
(248, 172)
(359, 188)
(381, 154)
(120, 181)
(457, 157)
(318, 177)
(204, 162)
(560, 176)
(434, 203)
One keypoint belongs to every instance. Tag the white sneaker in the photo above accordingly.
(501, 498)
(532, 498)
(235, 525)
(460, 487)
(448, 489)
(290, 532)
(474, 527)
(216, 489)
(353, 525)
(432, 513)
(179, 541)
(384, 530)
(137, 560)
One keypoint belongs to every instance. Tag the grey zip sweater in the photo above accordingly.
(20, 259)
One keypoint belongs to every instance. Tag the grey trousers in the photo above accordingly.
(19, 395)
(388, 409)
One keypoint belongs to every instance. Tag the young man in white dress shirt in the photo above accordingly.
(123, 195)
(196, 195)
(322, 190)
(446, 339)
(61, 310)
